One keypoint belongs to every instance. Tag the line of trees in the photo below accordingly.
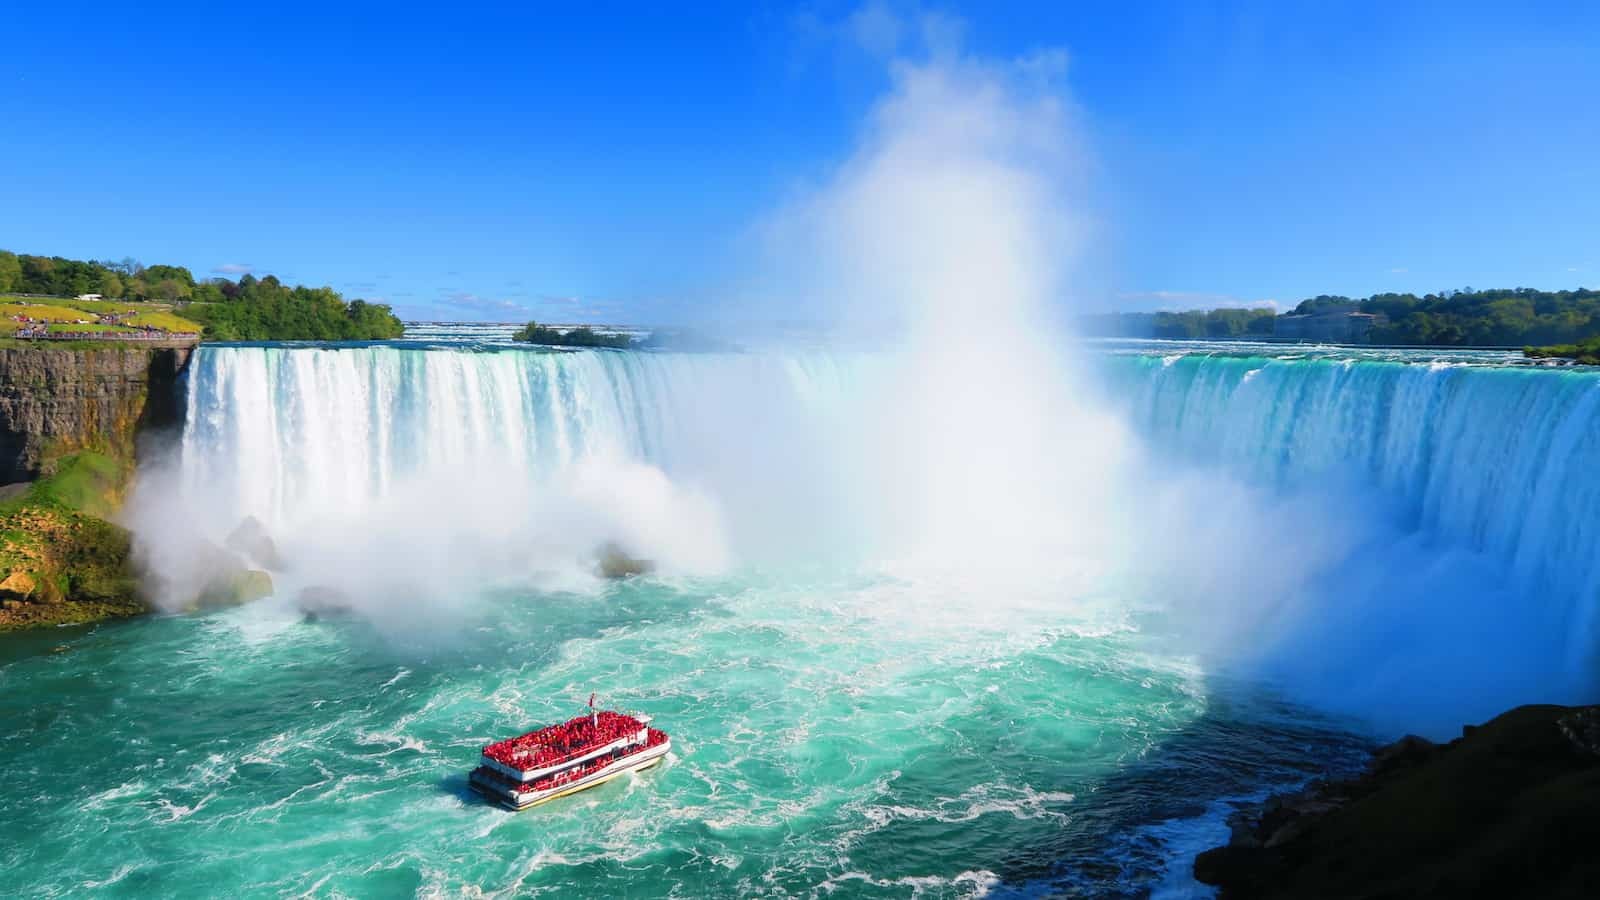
(1194, 325)
(583, 336)
(249, 309)
(1509, 317)
(58, 276)
(265, 309)
(1504, 317)
(683, 340)
(1587, 352)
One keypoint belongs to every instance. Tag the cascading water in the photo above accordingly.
(1371, 532)
(386, 470)
(1400, 512)
(1493, 458)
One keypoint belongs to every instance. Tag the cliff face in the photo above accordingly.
(70, 422)
(54, 402)
(1506, 810)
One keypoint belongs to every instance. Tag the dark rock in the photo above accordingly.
(1410, 750)
(1582, 728)
(321, 602)
(614, 562)
(1245, 870)
(1508, 810)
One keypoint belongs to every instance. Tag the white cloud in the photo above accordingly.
(234, 269)
(875, 28)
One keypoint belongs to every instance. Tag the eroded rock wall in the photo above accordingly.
(58, 401)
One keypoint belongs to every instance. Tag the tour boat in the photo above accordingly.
(576, 755)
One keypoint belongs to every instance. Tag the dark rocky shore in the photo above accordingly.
(1509, 809)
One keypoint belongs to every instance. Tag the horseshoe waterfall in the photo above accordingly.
(1217, 571)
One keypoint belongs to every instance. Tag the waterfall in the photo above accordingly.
(275, 432)
(1331, 510)
(1497, 459)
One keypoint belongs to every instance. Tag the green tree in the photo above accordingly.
(10, 271)
(169, 289)
(179, 274)
(110, 285)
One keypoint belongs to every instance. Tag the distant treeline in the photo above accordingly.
(1195, 325)
(1586, 352)
(1507, 317)
(659, 339)
(534, 333)
(250, 309)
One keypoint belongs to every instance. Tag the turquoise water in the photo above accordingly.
(829, 739)
(1326, 545)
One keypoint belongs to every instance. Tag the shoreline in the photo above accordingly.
(1506, 809)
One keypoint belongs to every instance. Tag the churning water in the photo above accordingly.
(1301, 538)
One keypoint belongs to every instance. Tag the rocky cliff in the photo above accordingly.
(55, 402)
(1507, 810)
(71, 420)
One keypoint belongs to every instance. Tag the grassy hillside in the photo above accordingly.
(248, 309)
(62, 561)
(91, 316)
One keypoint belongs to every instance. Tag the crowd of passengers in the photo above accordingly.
(548, 746)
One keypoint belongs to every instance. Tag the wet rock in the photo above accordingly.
(614, 562)
(1582, 728)
(1505, 811)
(17, 587)
(322, 602)
(235, 588)
(252, 541)
(1407, 752)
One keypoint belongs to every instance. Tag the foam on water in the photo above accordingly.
(883, 730)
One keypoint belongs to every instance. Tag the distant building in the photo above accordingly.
(1343, 327)
(88, 296)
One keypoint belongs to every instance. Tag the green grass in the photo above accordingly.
(48, 312)
(57, 545)
(166, 321)
(85, 482)
(64, 314)
(74, 328)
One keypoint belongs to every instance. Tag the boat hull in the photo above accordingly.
(638, 762)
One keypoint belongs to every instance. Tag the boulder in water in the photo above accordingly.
(252, 541)
(235, 588)
(614, 562)
(322, 602)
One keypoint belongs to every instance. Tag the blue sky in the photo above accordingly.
(608, 161)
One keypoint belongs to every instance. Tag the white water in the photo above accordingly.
(1450, 507)
(1399, 541)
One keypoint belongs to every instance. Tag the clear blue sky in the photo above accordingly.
(601, 161)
